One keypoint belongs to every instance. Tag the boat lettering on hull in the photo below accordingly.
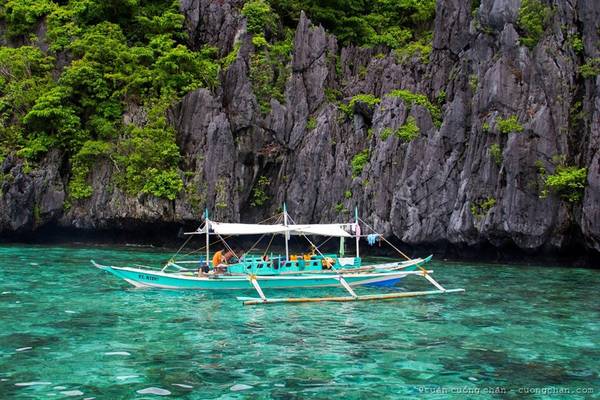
(147, 277)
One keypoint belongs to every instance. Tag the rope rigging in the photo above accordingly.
(198, 250)
(278, 218)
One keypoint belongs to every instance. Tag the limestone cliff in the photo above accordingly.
(434, 190)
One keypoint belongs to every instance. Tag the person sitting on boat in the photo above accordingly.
(236, 256)
(327, 262)
(219, 262)
(203, 268)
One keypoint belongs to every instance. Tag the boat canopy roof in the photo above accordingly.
(223, 228)
(321, 229)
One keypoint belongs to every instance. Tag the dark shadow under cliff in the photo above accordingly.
(171, 237)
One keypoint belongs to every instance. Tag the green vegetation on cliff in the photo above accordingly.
(125, 61)
(359, 161)
(393, 23)
(259, 193)
(568, 182)
(410, 99)
(409, 131)
(509, 125)
(496, 154)
(269, 64)
(109, 70)
(591, 68)
(269, 69)
(259, 17)
(365, 99)
(81, 164)
(533, 20)
(480, 208)
(21, 16)
(25, 73)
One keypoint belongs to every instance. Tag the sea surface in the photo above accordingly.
(68, 330)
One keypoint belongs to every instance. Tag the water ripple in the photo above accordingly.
(514, 327)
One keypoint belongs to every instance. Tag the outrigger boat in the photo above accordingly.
(260, 271)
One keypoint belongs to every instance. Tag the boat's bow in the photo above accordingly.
(103, 267)
(128, 274)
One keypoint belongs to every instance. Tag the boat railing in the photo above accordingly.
(261, 264)
(276, 264)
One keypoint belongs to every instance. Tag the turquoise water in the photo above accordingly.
(70, 330)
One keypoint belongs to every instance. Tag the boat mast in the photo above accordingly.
(206, 224)
(357, 230)
(287, 235)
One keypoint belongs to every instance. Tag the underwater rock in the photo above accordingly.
(154, 390)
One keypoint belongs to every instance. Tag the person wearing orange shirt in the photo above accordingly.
(219, 262)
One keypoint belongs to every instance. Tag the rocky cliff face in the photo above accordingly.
(428, 191)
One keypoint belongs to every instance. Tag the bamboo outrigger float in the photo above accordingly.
(271, 271)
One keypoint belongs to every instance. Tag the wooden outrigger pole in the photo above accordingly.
(353, 296)
(386, 296)
(340, 278)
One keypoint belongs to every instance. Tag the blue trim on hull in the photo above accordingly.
(388, 283)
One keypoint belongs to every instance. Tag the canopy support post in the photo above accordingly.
(257, 287)
(357, 231)
(206, 227)
(287, 235)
